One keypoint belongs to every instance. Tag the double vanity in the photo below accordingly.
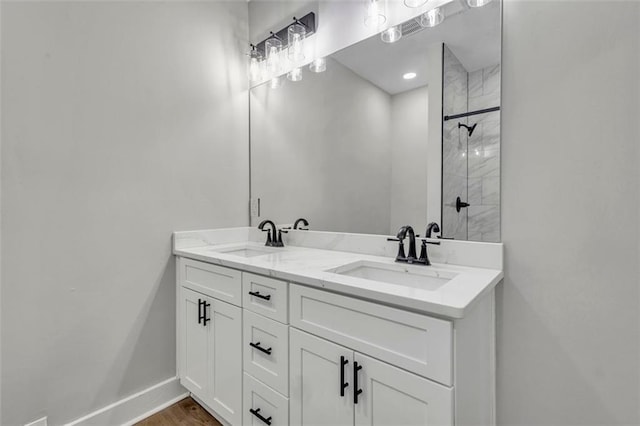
(330, 329)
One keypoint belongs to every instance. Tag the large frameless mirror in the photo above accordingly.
(389, 133)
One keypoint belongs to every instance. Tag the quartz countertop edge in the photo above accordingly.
(309, 266)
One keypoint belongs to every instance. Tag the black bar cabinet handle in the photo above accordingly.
(257, 414)
(205, 305)
(356, 392)
(343, 384)
(260, 348)
(200, 311)
(261, 296)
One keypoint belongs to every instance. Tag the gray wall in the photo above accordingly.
(409, 133)
(568, 331)
(121, 122)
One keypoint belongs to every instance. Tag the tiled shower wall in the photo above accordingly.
(471, 165)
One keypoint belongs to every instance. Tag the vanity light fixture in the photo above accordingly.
(295, 74)
(391, 35)
(272, 48)
(431, 18)
(478, 3)
(290, 38)
(376, 13)
(318, 65)
(409, 75)
(296, 35)
(255, 64)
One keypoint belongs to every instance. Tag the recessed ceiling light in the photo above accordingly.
(409, 75)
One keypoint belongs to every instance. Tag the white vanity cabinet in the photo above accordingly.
(210, 338)
(262, 351)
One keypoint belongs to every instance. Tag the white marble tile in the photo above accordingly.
(475, 190)
(484, 163)
(490, 191)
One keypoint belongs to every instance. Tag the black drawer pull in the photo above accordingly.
(257, 414)
(357, 391)
(343, 384)
(261, 296)
(200, 316)
(205, 305)
(260, 348)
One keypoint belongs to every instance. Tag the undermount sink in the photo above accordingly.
(415, 276)
(244, 251)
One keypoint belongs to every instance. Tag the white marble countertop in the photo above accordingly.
(311, 266)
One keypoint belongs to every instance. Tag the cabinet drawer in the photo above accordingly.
(222, 283)
(266, 351)
(265, 296)
(415, 342)
(271, 404)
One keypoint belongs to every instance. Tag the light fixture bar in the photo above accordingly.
(308, 21)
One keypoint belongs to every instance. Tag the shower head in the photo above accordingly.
(469, 129)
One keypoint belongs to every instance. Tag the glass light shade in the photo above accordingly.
(295, 74)
(255, 65)
(296, 34)
(414, 3)
(376, 14)
(478, 3)
(431, 18)
(272, 49)
(318, 65)
(275, 83)
(391, 35)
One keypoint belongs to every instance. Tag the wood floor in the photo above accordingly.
(185, 412)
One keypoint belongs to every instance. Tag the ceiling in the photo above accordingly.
(472, 34)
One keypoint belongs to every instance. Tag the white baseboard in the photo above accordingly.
(136, 407)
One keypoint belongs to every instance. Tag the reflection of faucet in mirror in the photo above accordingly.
(424, 256)
(304, 221)
(275, 241)
(432, 227)
(469, 129)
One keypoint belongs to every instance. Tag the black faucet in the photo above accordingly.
(402, 234)
(411, 257)
(304, 221)
(272, 239)
(424, 256)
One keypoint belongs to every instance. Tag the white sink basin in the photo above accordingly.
(245, 251)
(415, 276)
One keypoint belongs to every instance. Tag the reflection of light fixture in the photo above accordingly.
(478, 3)
(318, 65)
(272, 47)
(431, 18)
(296, 34)
(255, 64)
(295, 74)
(376, 13)
(409, 75)
(392, 34)
(414, 3)
(275, 83)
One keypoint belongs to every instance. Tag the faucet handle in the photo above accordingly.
(426, 241)
(394, 239)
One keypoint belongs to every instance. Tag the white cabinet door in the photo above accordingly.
(193, 344)
(225, 361)
(315, 382)
(394, 397)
